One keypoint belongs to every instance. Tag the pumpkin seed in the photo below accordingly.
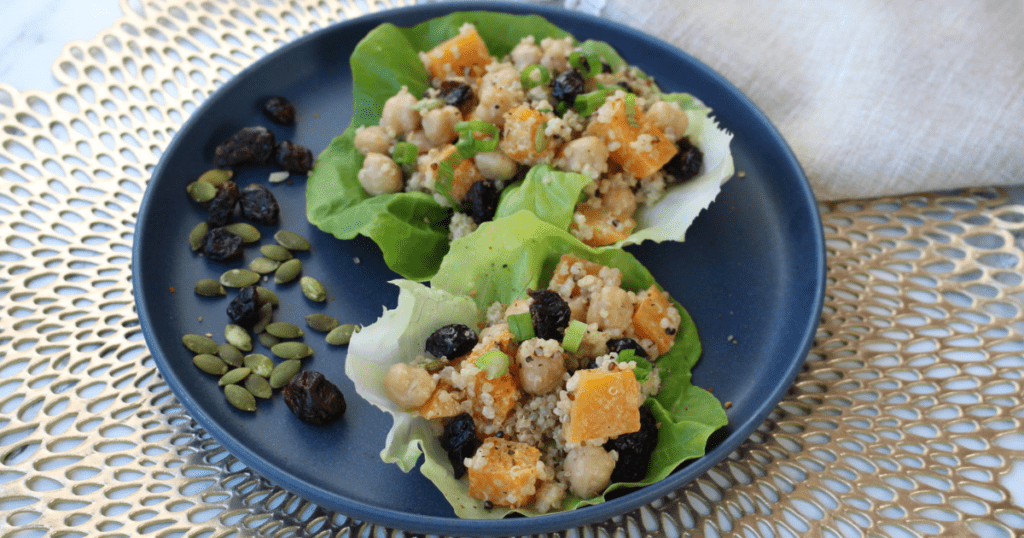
(238, 337)
(209, 287)
(268, 340)
(201, 191)
(246, 231)
(239, 278)
(259, 363)
(284, 372)
(239, 397)
(266, 316)
(342, 334)
(283, 329)
(258, 386)
(235, 375)
(321, 322)
(291, 240)
(313, 289)
(199, 344)
(264, 265)
(216, 176)
(288, 271)
(230, 354)
(292, 350)
(210, 364)
(275, 252)
(196, 236)
(267, 296)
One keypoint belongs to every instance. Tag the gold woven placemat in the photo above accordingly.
(904, 421)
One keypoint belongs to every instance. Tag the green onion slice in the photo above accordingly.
(494, 362)
(588, 103)
(631, 110)
(574, 336)
(467, 136)
(428, 104)
(590, 68)
(526, 77)
(405, 153)
(521, 326)
(540, 140)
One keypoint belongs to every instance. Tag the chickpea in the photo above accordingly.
(668, 117)
(495, 101)
(380, 175)
(373, 139)
(496, 166)
(526, 53)
(610, 308)
(541, 366)
(587, 155)
(407, 386)
(589, 470)
(439, 124)
(556, 54)
(398, 115)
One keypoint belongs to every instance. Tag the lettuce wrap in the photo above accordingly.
(411, 228)
(499, 262)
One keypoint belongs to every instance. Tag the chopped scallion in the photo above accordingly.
(588, 103)
(526, 77)
(427, 104)
(631, 110)
(540, 140)
(574, 334)
(521, 326)
(494, 363)
(587, 63)
(468, 134)
(405, 153)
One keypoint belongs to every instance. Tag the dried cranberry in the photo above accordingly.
(259, 205)
(457, 94)
(279, 111)
(550, 314)
(244, 309)
(222, 245)
(685, 164)
(314, 399)
(293, 157)
(250, 145)
(635, 449)
(222, 207)
(451, 341)
(618, 344)
(482, 201)
(567, 85)
(459, 440)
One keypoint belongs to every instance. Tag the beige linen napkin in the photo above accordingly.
(875, 97)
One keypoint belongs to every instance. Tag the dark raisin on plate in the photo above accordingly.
(314, 399)
(459, 440)
(244, 309)
(635, 449)
(685, 164)
(550, 314)
(618, 344)
(482, 201)
(451, 341)
(250, 145)
(259, 205)
(222, 245)
(293, 157)
(222, 207)
(280, 111)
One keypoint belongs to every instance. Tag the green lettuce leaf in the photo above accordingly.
(546, 192)
(499, 262)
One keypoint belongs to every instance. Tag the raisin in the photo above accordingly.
(259, 205)
(606, 67)
(635, 449)
(685, 164)
(457, 94)
(482, 199)
(222, 245)
(293, 157)
(314, 399)
(459, 440)
(244, 309)
(567, 85)
(250, 145)
(222, 207)
(625, 86)
(451, 341)
(550, 314)
(279, 111)
(618, 344)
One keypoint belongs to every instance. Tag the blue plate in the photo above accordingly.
(751, 273)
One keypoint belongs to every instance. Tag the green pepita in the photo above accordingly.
(267, 296)
(259, 363)
(196, 236)
(237, 336)
(284, 372)
(234, 376)
(266, 317)
(210, 364)
(288, 271)
(268, 340)
(292, 350)
(239, 397)
(201, 191)
(321, 322)
(246, 231)
(230, 354)
(313, 289)
(216, 176)
(264, 265)
(342, 334)
(283, 329)
(291, 240)
(258, 386)
(199, 344)
(276, 252)
(239, 278)
(209, 287)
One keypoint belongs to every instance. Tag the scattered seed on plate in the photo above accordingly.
(342, 334)
(199, 344)
(267, 296)
(266, 317)
(239, 397)
(239, 278)
(196, 236)
(234, 376)
(291, 240)
(284, 372)
(292, 350)
(268, 340)
(313, 289)
(283, 329)
(258, 386)
(263, 265)
(278, 177)
(230, 354)
(321, 322)
(237, 336)
(209, 287)
(246, 231)
(288, 271)
(259, 363)
(201, 191)
(216, 176)
(276, 252)
(210, 364)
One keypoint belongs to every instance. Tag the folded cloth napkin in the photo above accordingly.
(876, 98)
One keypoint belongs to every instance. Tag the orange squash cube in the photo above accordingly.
(464, 54)
(504, 472)
(504, 390)
(443, 403)
(638, 156)
(519, 137)
(648, 316)
(563, 270)
(607, 404)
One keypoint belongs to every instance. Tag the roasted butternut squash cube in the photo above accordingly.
(606, 404)
(655, 319)
(504, 391)
(464, 54)
(640, 150)
(504, 472)
(443, 403)
(519, 138)
(563, 271)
